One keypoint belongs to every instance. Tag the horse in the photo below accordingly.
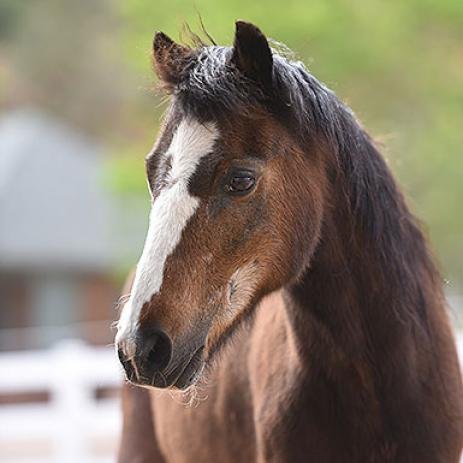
(284, 281)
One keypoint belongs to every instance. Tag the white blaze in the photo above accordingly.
(169, 215)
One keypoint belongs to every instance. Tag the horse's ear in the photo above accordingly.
(251, 53)
(169, 58)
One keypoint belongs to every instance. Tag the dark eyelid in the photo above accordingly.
(241, 172)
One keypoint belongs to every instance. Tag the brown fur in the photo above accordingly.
(335, 344)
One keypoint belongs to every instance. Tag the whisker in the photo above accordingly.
(121, 301)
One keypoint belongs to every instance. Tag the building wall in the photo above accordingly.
(39, 308)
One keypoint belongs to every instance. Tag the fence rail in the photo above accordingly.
(73, 427)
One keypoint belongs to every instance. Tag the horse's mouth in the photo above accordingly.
(180, 377)
(191, 371)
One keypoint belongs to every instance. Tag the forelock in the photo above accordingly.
(213, 88)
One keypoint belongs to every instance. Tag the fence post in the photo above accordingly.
(71, 399)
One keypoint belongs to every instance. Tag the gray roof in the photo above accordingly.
(54, 210)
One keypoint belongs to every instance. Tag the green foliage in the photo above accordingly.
(125, 174)
(397, 63)
(10, 14)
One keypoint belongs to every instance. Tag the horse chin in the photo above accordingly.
(191, 372)
(182, 376)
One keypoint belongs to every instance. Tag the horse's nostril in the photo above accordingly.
(126, 363)
(156, 350)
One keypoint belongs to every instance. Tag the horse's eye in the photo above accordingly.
(241, 183)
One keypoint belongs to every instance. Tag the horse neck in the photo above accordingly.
(371, 294)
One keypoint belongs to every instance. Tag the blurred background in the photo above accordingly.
(78, 113)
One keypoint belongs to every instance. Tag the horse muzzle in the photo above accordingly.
(148, 360)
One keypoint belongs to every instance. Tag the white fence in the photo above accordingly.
(72, 427)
